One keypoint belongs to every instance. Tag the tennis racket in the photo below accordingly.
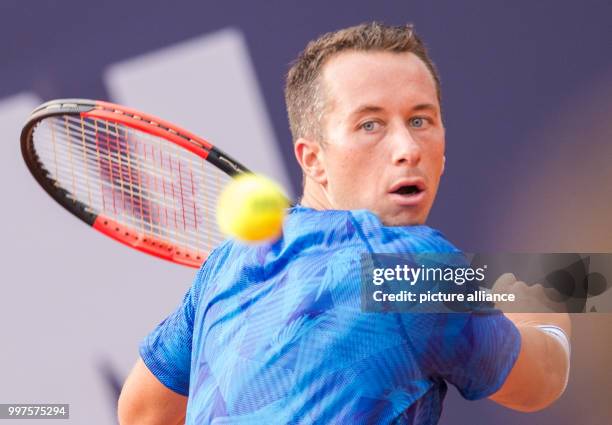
(137, 179)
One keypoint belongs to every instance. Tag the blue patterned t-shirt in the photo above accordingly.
(275, 334)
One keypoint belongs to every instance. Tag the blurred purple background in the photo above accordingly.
(527, 98)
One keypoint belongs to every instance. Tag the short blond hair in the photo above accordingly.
(303, 90)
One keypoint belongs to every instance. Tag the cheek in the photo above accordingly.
(435, 154)
(350, 174)
(439, 160)
(346, 161)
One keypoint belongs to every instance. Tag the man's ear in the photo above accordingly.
(310, 156)
(443, 164)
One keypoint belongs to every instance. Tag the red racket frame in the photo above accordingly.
(134, 119)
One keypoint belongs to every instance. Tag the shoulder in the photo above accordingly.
(361, 228)
(216, 261)
(400, 239)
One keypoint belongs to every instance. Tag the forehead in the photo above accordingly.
(385, 79)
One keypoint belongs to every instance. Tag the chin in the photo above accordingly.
(392, 214)
(402, 219)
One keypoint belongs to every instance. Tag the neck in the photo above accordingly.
(315, 197)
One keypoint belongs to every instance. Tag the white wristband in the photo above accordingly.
(559, 335)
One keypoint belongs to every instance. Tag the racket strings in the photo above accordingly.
(134, 187)
(111, 167)
(89, 129)
(137, 179)
(118, 164)
(141, 203)
(113, 135)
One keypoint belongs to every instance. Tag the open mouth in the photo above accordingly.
(411, 189)
(408, 192)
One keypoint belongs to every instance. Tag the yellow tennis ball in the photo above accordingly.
(252, 208)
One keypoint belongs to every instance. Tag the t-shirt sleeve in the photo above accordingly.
(476, 352)
(167, 350)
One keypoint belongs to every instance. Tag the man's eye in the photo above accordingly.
(370, 126)
(417, 122)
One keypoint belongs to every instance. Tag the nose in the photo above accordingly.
(405, 148)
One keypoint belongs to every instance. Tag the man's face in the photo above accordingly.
(383, 147)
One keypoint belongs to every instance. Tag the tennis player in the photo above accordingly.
(274, 333)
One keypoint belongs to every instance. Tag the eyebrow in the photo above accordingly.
(365, 109)
(371, 108)
(425, 106)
